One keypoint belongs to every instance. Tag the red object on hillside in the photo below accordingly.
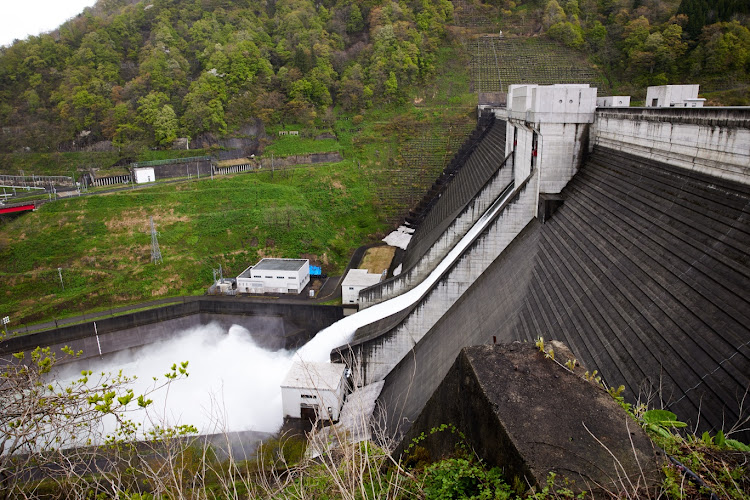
(20, 208)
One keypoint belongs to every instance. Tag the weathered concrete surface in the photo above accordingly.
(378, 351)
(711, 140)
(530, 416)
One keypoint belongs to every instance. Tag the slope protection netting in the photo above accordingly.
(498, 62)
(471, 15)
(413, 169)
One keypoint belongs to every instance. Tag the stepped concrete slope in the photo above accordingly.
(643, 272)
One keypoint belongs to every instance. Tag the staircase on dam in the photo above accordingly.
(642, 272)
(476, 176)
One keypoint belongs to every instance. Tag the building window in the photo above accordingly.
(308, 396)
(269, 277)
(256, 275)
(279, 277)
(351, 288)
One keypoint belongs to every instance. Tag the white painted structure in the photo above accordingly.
(613, 101)
(546, 128)
(275, 276)
(356, 280)
(314, 390)
(144, 175)
(673, 96)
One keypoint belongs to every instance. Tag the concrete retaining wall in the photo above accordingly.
(272, 326)
(287, 161)
(712, 140)
(377, 355)
(196, 168)
(457, 229)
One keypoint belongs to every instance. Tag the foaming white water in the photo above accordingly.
(233, 384)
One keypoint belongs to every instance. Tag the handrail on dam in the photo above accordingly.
(406, 280)
(505, 198)
(380, 346)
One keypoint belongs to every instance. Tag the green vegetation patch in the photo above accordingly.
(103, 243)
(288, 145)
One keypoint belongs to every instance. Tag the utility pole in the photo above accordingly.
(155, 252)
(6, 320)
(59, 273)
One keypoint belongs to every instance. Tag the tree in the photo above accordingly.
(725, 48)
(355, 23)
(567, 33)
(391, 86)
(204, 105)
(54, 429)
(158, 117)
(553, 14)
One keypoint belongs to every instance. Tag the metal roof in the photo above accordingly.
(316, 376)
(280, 264)
(360, 277)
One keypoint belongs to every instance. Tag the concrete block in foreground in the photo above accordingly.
(530, 416)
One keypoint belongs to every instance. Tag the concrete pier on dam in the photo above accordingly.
(272, 326)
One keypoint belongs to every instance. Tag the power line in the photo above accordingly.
(155, 252)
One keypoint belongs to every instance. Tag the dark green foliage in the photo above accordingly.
(144, 76)
(644, 43)
(462, 478)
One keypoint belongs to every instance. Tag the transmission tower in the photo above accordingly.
(155, 252)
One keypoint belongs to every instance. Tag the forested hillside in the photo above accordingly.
(649, 42)
(141, 74)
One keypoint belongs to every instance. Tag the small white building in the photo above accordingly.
(275, 276)
(142, 175)
(356, 280)
(314, 390)
(674, 96)
(613, 101)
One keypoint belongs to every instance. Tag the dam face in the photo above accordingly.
(628, 240)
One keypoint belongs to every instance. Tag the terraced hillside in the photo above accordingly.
(498, 62)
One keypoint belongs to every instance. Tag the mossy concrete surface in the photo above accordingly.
(522, 411)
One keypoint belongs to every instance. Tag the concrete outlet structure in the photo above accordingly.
(356, 280)
(548, 126)
(314, 391)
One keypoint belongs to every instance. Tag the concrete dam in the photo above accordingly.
(625, 233)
